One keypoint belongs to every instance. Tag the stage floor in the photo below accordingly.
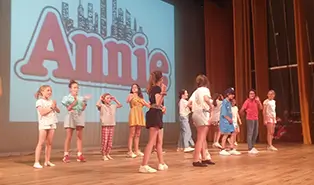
(292, 164)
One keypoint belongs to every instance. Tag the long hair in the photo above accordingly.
(72, 82)
(216, 96)
(154, 78)
(139, 91)
(38, 94)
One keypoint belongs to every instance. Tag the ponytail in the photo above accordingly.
(38, 94)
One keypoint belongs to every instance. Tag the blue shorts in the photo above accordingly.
(226, 127)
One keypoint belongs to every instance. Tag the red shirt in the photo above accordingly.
(251, 109)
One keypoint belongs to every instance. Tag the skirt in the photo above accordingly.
(154, 118)
(200, 118)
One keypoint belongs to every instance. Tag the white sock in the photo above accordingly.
(66, 153)
(79, 153)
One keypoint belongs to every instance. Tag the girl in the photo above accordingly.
(216, 106)
(235, 119)
(251, 106)
(201, 117)
(156, 91)
(108, 121)
(75, 105)
(185, 139)
(226, 124)
(136, 119)
(47, 120)
(270, 120)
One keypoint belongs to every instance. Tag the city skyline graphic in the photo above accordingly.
(94, 22)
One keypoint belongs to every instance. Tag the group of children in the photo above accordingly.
(221, 114)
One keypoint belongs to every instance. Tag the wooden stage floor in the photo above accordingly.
(292, 164)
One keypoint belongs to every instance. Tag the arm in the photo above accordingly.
(70, 106)
(130, 97)
(84, 106)
(98, 104)
(119, 105)
(224, 112)
(55, 107)
(239, 119)
(244, 106)
(264, 114)
(164, 109)
(44, 111)
(145, 103)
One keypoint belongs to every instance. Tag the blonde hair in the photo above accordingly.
(154, 78)
(39, 94)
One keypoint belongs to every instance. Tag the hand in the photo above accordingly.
(163, 88)
(230, 120)
(54, 104)
(257, 99)
(113, 98)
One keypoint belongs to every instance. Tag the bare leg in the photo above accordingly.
(160, 137)
(67, 142)
(201, 137)
(79, 139)
(41, 139)
(137, 139)
(153, 132)
(49, 145)
(131, 137)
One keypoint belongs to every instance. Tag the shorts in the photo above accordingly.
(74, 119)
(200, 118)
(226, 128)
(235, 125)
(47, 127)
(214, 123)
(154, 118)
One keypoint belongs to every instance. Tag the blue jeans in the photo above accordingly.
(185, 138)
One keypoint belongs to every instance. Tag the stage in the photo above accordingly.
(292, 164)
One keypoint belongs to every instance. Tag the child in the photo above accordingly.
(136, 119)
(235, 118)
(251, 106)
(47, 120)
(226, 124)
(75, 105)
(156, 91)
(270, 119)
(201, 101)
(216, 107)
(185, 139)
(108, 121)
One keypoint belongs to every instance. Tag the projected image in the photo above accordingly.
(105, 45)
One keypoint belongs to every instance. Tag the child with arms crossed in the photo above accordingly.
(47, 120)
(108, 122)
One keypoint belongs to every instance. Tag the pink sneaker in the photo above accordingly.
(66, 159)
(80, 158)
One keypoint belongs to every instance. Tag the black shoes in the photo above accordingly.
(208, 162)
(199, 164)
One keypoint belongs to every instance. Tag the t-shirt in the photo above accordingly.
(251, 108)
(270, 110)
(48, 119)
(152, 98)
(69, 99)
(108, 114)
(197, 98)
(225, 111)
(184, 110)
(235, 112)
(216, 111)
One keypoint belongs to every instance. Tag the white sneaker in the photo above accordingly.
(189, 149)
(234, 152)
(147, 169)
(109, 157)
(139, 153)
(162, 167)
(253, 151)
(37, 166)
(105, 158)
(217, 145)
(131, 155)
(272, 148)
(236, 143)
(224, 152)
(49, 164)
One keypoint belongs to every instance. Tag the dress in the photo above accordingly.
(136, 116)
(224, 125)
(154, 114)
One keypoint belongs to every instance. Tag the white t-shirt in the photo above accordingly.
(235, 113)
(197, 98)
(216, 111)
(270, 110)
(48, 119)
(108, 114)
(184, 110)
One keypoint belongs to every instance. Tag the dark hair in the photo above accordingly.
(72, 82)
(202, 81)
(154, 78)
(216, 96)
(139, 91)
(182, 92)
(252, 90)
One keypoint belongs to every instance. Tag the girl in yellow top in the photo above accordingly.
(136, 119)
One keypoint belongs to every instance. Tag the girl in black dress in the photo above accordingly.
(156, 91)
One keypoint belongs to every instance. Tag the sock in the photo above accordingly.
(66, 153)
(79, 153)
